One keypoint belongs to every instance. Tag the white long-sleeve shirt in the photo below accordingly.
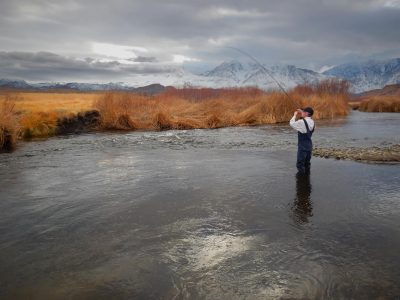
(300, 126)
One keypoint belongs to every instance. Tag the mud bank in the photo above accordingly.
(80, 123)
(390, 154)
(7, 142)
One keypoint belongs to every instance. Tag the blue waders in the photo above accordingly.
(304, 150)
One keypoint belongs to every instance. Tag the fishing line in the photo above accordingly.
(262, 68)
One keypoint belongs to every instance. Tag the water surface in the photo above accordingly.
(201, 214)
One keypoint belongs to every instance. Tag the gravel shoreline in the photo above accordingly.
(390, 154)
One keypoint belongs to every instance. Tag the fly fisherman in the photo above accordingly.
(302, 122)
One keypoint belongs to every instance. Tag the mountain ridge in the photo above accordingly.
(76, 86)
(369, 75)
(362, 77)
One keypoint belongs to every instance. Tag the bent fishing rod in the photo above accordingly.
(262, 68)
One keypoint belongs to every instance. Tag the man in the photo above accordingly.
(305, 128)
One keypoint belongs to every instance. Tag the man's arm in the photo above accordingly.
(297, 125)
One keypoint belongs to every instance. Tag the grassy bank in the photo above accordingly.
(40, 114)
(380, 104)
(213, 108)
(51, 102)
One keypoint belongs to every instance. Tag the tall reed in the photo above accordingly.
(380, 104)
(9, 124)
(213, 108)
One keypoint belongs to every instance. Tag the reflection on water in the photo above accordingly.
(302, 206)
(202, 214)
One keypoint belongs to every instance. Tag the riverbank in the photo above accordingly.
(386, 99)
(47, 114)
(390, 154)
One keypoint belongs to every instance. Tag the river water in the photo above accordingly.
(201, 214)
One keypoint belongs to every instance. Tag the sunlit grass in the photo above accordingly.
(34, 102)
(214, 108)
(380, 104)
(38, 112)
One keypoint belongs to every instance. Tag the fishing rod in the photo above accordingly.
(262, 68)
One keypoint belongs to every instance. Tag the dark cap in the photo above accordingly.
(309, 110)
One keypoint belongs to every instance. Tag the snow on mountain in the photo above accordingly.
(363, 77)
(232, 71)
(235, 73)
(287, 75)
(20, 84)
(369, 75)
(227, 74)
(149, 89)
(82, 86)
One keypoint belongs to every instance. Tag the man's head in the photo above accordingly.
(308, 112)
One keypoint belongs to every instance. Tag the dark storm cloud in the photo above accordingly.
(144, 59)
(49, 66)
(301, 32)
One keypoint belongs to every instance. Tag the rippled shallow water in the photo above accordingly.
(202, 214)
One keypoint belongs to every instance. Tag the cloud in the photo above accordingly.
(47, 66)
(178, 58)
(302, 32)
(117, 51)
(392, 3)
(144, 59)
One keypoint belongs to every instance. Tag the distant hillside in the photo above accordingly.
(389, 90)
(368, 75)
(362, 76)
(150, 89)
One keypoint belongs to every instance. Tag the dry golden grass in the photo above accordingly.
(39, 111)
(36, 114)
(39, 124)
(9, 124)
(213, 108)
(65, 102)
(380, 104)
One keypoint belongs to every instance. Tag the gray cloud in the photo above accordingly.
(303, 32)
(144, 59)
(47, 66)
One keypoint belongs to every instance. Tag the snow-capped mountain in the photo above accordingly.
(227, 74)
(18, 84)
(232, 70)
(369, 75)
(235, 73)
(22, 84)
(119, 86)
(362, 76)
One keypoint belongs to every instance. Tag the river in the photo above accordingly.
(201, 214)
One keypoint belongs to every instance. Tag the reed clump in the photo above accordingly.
(190, 108)
(39, 124)
(9, 125)
(380, 104)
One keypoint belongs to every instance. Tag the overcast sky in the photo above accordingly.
(94, 40)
